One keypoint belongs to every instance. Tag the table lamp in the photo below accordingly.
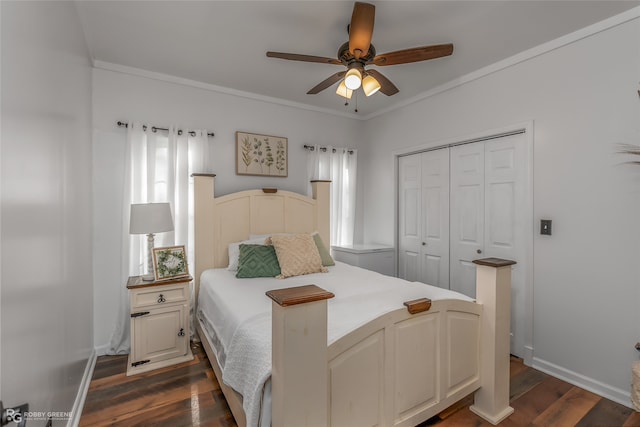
(150, 218)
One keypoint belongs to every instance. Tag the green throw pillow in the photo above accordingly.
(257, 261)
(322, 250)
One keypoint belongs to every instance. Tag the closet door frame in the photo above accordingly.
(528, 129)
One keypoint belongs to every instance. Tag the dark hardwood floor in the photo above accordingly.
(189, 395)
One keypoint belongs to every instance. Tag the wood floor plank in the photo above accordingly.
(462, 403)
(109, 366)
(633, 420)
(568, 410)
(199, 409)
(535, 401)
(525, 380)
(115, 401)
(124, 390)
(516, 366)
(463, 418)
(605, 413)
(122, 379)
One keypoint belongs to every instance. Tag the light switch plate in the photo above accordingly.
(545, 227)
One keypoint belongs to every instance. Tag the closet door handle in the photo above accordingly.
(479, 251)
(424, 243)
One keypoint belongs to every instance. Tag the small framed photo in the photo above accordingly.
(170, 262)
(261, 155)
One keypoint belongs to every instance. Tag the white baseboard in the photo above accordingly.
(78, 405)
(615, 394)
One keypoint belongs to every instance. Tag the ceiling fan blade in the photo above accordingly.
(326, 83)
(386, 86)
(304, 58)
(413, 55)
(361, 28)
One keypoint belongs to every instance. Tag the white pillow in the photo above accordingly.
(234, 251)
(259, 236)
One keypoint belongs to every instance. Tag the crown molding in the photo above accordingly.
(109, 66)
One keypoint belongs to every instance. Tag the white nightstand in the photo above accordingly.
(159, 323)
(380, 258)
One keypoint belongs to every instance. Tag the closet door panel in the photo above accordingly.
(409, 217)
(505, 228)
(501, 191)
(467, 214)
(435, 218)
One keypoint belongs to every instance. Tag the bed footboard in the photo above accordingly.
(398, 370)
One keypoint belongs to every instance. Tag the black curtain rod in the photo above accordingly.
(155, 129)
(323, 149)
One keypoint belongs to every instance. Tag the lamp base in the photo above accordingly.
(148, 278)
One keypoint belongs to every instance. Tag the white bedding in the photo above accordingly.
(240, 314)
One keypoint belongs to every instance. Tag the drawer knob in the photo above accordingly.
(181, 333)
(161, 299)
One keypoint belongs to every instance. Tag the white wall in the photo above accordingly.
(120, 96)
(583, 100)
(46, 277)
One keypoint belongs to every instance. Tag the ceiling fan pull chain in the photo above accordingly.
(356, 110)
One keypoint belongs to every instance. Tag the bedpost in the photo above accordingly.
(493, 291)
(204, 233)
(322, 195)
(299, 373)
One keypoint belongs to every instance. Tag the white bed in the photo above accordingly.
(372, 362)
(227, 305)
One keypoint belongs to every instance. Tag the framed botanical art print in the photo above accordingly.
(261, 155)
(170, 263)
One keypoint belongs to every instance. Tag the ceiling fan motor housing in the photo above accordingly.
(347, 58)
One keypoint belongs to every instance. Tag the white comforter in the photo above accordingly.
(240, 313)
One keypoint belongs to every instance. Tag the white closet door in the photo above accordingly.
(506, 219)
(463, 203)
(434, 266)
(489, 218)
(409, 217)
(467, 215)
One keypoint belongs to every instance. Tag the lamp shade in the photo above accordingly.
(353, 78)
(370, 85)
(148, 218)
(344, 91)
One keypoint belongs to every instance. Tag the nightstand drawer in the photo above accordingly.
(159, 295)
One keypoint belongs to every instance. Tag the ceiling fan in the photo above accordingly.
(358, 52)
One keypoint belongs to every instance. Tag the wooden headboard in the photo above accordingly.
(233, 217)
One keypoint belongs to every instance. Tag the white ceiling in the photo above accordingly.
(223, 43)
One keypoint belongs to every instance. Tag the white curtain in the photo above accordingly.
(158, 168)
(339, 165)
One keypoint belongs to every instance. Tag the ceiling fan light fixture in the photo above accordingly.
(344, 91)
(370, 85)
(353, 78)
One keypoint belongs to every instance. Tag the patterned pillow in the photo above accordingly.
(322, 250)
(257, 261)
(297, 255)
